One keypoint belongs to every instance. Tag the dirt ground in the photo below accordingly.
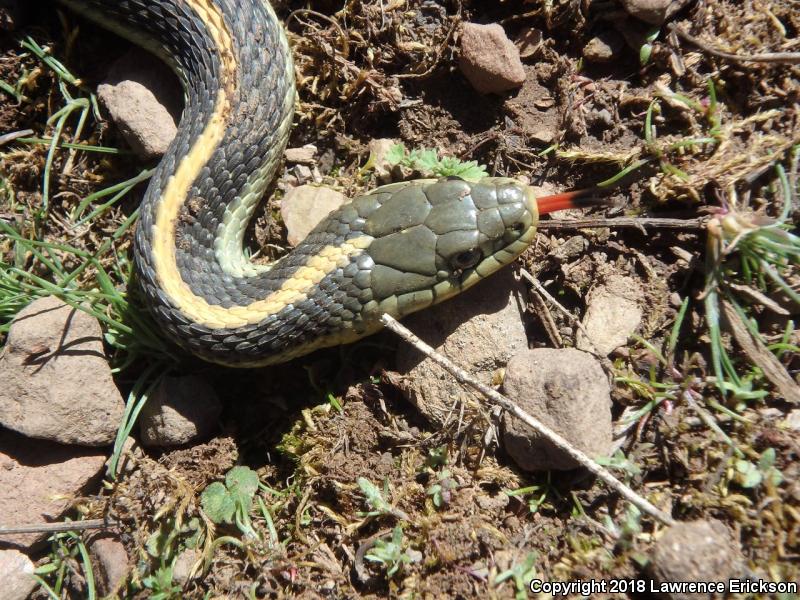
(389, 68)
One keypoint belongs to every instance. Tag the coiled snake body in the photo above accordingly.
(396, 250)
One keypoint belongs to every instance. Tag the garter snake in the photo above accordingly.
(396, 250)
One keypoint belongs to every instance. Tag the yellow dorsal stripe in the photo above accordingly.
(177, 189)
(196, 308)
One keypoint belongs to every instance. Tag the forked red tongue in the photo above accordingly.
(574, 199)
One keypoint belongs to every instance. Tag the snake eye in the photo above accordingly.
(466, 259)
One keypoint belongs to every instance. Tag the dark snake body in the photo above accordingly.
(398, 249)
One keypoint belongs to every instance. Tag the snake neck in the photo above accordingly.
(234, 63)
(398, 249)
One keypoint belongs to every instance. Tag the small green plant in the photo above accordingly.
(441, 491)
(231, 502)
(391, 554)
(428, 162)
(628, 529)
(537, 495)
(68, 553)
(768, 255)
(374, 496)
(161, 585)
(750, 475)
(521, 574)
(622, 463)
(437, 457)
(646, 49)
(665, 151)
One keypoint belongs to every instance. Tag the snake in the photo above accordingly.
(397, 249)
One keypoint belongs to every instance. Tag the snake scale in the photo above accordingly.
(396, 250)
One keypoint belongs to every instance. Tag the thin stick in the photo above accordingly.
(10, 137)
(570, 317)
(547, 319)
(497, 398)
(636, 222)
(791, 58)
(56, 527)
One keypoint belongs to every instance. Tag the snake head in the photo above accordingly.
(432, 239)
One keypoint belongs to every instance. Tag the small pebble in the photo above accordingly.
(139, 95)
(695, 551)
(568, 391)
(184, 564)
(613, 313)
(479, 330)
(792, 420)
(180, 410)
(604, 47)
(39, 481)
(304, 207)
(303, 155)
(16, 575)
(56, 382)
(655, 12)
(489, 60)
(378, 149)
(112, 560)
(303, 173)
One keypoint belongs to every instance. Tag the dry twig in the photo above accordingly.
(788, 58)
(636, 222)
(498, 399)
(56, 527)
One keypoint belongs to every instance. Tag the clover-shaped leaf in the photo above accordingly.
(223, 502)
(218, 504)
(242, 484)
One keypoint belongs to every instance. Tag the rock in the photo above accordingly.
(695, 551)
(16, 575)
(655, 12)
(303, 207)
(479, 330)
(529, 41)
(568, 391)
(57, 384)
(303, 155)
(138, 94)
(792, 420)
(378, 149)
(613, 313)
(39, 480)
(111, 562)
(570, 249)
(303, 174)
(489, 60)
(604, 47)
(182, 569)
(180, 410)
(543, 134)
